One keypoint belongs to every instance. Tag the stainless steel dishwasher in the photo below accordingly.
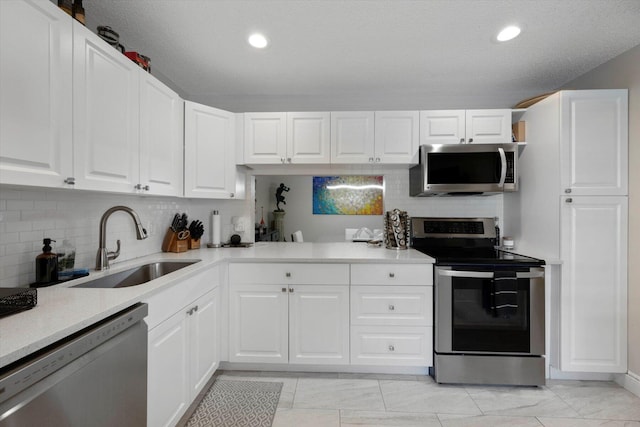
(96, 377)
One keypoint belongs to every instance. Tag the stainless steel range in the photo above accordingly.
(488, 304)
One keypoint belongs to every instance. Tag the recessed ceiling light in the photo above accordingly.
(258, 41)
(509, 33)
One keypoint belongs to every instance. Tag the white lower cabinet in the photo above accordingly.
(297, 320)
(392, 315)
(183, 349)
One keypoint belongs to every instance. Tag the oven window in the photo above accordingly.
(481, 327)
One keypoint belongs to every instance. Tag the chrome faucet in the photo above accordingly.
(103, 257)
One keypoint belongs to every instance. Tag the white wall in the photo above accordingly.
(29, 215)
(624, 72)
(323, 228)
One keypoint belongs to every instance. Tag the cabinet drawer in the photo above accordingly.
(392, 305)
(391, 345)
(299, 274)
(392, 274)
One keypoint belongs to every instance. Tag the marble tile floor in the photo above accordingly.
(347, 400)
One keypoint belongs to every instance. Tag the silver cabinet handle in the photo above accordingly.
(146, 188)
(138, 186)
(567, 190)
(370, 159)
(70, 180)
(290, 290)
(287, 274)
(470, 140)
(392, 275)
(392, 348)
(289, 159)
(284, 289)
(391, 307)
(377, 159)
(232, 195)
(195, 308)
(461, 140)
(281, 159)
(569, 200)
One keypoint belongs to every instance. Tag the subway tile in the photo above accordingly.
(18, 205)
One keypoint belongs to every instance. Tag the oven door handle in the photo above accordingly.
(488, 274)
(503, 169)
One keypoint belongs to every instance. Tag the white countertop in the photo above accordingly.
(63, 310)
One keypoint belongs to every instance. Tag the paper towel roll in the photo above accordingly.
(215, 229)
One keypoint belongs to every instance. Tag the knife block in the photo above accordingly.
(194, 243)
(171, 243)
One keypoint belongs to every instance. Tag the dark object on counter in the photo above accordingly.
(76, 275)
(14, 300)
(196, 228)
(47, 264)
(235, 239)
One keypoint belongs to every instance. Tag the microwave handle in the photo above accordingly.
(503, 169)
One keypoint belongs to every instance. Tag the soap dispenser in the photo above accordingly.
(47, 264)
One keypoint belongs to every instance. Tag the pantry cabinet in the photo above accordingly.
(289, 313)
(183, 346)
(209, 150)
(35, 106)
(465, 126)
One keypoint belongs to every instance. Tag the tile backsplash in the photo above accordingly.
(29, 215)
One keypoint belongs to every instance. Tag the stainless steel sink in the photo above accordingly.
(137, 275)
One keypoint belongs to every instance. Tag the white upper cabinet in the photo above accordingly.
(352, 137)
(442, 127)
(265, 138)
(465, 126)
(161, 138)
(35, 105)
(308, 138)
(594, 135)
(105, 115)
(397, 135)
(209, 150)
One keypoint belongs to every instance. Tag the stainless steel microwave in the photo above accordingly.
(459, 169)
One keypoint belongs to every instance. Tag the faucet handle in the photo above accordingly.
(116, 254)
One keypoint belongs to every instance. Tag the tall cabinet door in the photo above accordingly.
(265, 138)
(442, 127)
(258, 319)
(35, 105)
(209, 170)
(396, 136)
(319, 324)
(204, 340)
(308, 138)
(105, 115)
(352, 137)
(161, 138)
(594, 151)
(594, 284)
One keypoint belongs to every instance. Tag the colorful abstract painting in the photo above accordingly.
(348, 195)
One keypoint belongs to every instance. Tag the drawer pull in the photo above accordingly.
(287, 274)
(284, 289)
(392, 275)
(291, 290)
(391, 307)
(391, 348)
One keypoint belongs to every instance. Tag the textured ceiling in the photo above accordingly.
(369, 54)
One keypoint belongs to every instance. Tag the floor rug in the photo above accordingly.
(237, 404)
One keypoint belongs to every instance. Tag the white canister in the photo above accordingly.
(508, 243)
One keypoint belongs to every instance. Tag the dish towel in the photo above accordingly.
(505, 294)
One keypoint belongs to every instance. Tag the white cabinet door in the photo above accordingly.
(209, 152)
(594, 284)
(442, 127)
(594, 151)
(488, 126)
(397, 135)
(258, 323)
(35, 105)
(105, 115)
(168, 376)
(308, 138)
(204, 339)
(265, 138)
(319, 324)
(352, 137)
(161, 138)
